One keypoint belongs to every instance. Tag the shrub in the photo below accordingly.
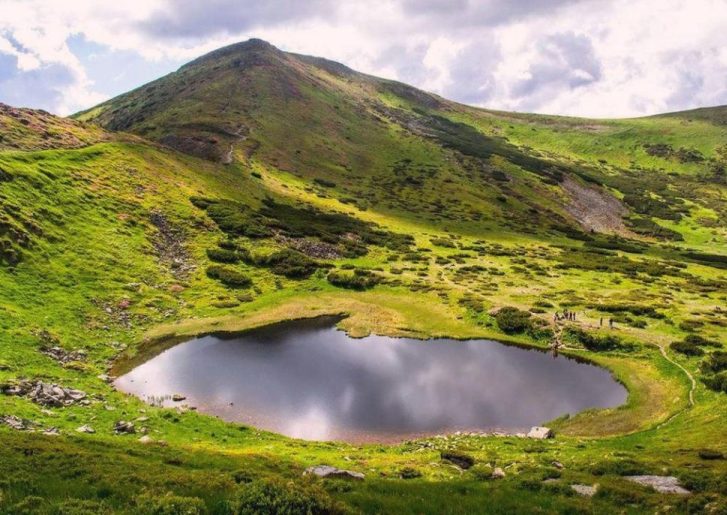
(274, 497)
(461, 459)
(79, 507)
(512, 320)
(229, 276)
(716, 382)
(596, 343)
(409, 473)
(290, 263)
(358, 280)
(686, 348)
(325, 183)
(481, 471)
(710, 454)
(716, 362)
(223, 255)
(148, 504)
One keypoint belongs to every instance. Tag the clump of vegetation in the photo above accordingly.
(357, 280)
(169, 504)
(274, 496)
(324, 182)
(459, 458)
(512, 320)
(290, 263)
(634, 309)
(592, 342)
(229, 276)
(443, 242)
(350, 234)
(220, 255)
(409, 473)
(692, 345)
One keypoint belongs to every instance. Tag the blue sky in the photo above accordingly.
(603, 58)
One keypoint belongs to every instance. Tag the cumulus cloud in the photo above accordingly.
(577, 57)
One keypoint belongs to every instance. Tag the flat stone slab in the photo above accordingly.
(327, 471)
(662, 484)
(585, 490)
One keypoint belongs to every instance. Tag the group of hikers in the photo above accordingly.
(571, 316)
(567, 315)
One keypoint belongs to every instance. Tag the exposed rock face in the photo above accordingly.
(498, 473)
(585, 490)
(169, 245)
(86, 429)
(326, 471)
(662, 484)
(45, 394)
(540, 433)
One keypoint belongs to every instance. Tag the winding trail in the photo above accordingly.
(691, 390)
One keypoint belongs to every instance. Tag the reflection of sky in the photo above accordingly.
(311, 381)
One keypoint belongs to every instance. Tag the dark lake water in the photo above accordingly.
(306, 379)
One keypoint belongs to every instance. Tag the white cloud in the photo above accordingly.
(589, 57)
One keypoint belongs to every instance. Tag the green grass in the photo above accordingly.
(488, 231)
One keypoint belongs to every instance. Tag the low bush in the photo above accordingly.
(229, 276)
(149, 504)
(716, 382)
(716, 362)
(596, 343)
(358, 280)
(409, 473)
(513, 320)
(275, 497)
(290, 263)
(686, 348)
(220, 255)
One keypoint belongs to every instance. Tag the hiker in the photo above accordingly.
(610, 323)
(600, 322)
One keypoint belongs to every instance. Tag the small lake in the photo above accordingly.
(307, 379)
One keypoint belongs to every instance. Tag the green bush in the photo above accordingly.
(716, 362)
(290, 263)
(274, 497)
(512, 320)
(221, 255)
(229, 276)
(686, 348)
(79, 507)
(149, 504)
(409, 473)
(716, 382)
(596, 343)
(358, 280)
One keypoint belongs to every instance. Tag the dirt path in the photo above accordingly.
(691, 390)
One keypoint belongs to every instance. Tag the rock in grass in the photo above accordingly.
(498, 473)
(540, 433)
(462, 460)
(146, 440)
(178, 397)
(123, 427)
(662, 484)
(585, 490)
(86, 429)
(326, 471)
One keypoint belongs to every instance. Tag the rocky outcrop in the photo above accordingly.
(17, 423)
(63, 356)
(123, 427)
(585, 490)
(326, 471)
(662, 484)
(540, 433)
(45, 394)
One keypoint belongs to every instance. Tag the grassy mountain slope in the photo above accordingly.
(111, 242)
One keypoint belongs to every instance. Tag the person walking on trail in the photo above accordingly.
(610, 323)
(600, 323)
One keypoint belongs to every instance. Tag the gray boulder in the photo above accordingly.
(662, 484)
(540, 433)
(326, 471)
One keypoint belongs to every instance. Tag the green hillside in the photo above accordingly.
(253, 186)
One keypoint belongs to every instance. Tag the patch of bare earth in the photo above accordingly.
(595, 209)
